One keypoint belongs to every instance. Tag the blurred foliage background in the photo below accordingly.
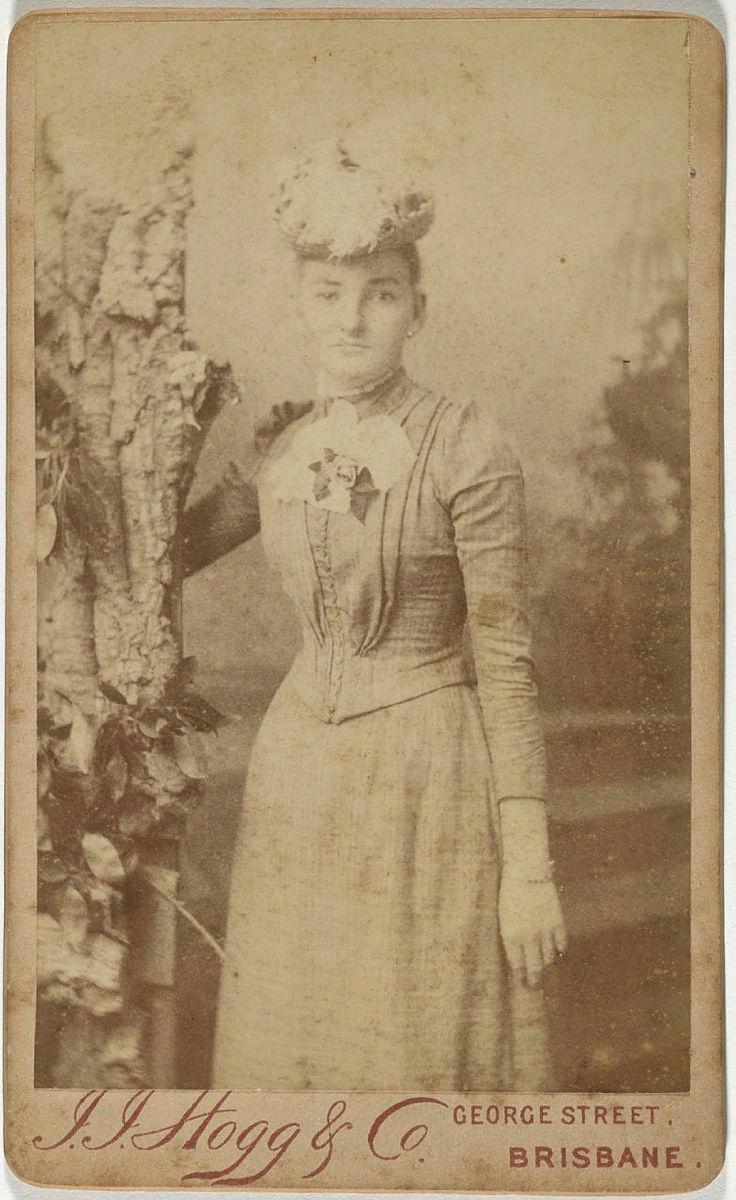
(613, 580)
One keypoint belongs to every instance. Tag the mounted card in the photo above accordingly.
(364, 681)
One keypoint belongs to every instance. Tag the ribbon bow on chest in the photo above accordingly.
(338, 457)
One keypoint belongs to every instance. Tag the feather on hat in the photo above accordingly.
(330, 205)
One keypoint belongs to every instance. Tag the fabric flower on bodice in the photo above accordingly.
(333, 460)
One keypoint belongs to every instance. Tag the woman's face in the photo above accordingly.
(358, 313)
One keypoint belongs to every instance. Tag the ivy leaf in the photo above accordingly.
(99, 897)
(43, 833)
(190, 755)
(46, 530)
(151, 726)
(164, 775)
(43, 776)
(200, 713)
(73, 787)
(133, 756)
(102, 858)
(177, 810)
(107, 742)
(52, 953)
(81, 739)
(44, 721)
(74, 918)
(131, 859)
(116, 776)
(182, 677)
(136, 822)
(111, 693)
(59, 732)
(51, 868)
(105, 966)
(66, 808)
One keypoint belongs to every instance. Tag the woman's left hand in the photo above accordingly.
(532, 926)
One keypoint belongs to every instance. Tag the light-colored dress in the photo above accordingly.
(362, 946)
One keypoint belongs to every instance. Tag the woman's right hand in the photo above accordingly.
(277, 419)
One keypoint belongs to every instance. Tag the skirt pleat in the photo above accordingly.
(362, 946)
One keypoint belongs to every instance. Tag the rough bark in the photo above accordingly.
(124, 402)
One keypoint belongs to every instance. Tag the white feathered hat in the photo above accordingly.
(331, 204)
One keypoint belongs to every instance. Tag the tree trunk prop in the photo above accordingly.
(124, 403)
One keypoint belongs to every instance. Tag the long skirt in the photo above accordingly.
(362, 945)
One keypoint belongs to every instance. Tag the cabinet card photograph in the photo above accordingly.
(364, 722)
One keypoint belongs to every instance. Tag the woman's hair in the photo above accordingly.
(414, 262)
(408, 251)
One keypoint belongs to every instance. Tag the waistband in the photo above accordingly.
(336, 689)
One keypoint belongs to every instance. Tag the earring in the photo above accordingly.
(411, 333)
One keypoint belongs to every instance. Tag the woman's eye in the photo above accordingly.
(327, 295)
(386, 296)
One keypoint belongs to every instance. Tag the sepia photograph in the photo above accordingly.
(363, 470)
(364, 571)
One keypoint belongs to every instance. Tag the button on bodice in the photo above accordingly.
(382, 594)
(334, 541)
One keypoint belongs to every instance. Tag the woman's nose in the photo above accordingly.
(352, 315)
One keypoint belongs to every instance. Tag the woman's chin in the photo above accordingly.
(348, 379)
(352, 368)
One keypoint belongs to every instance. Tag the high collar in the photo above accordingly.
(379, 396)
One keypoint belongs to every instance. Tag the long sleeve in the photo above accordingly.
(483, 490)
(228, 514)
(222, 519)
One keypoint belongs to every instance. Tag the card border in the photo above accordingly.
(705, 270)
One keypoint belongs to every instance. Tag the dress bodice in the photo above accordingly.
(383, 593)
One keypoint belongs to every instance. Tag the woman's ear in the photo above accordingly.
(420, 308)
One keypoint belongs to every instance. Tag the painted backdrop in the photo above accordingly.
(556, 276)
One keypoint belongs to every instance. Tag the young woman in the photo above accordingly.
(393, 842)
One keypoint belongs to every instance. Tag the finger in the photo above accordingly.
(515, 955)
(559, 934)
(548, 949)
(533, 961)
